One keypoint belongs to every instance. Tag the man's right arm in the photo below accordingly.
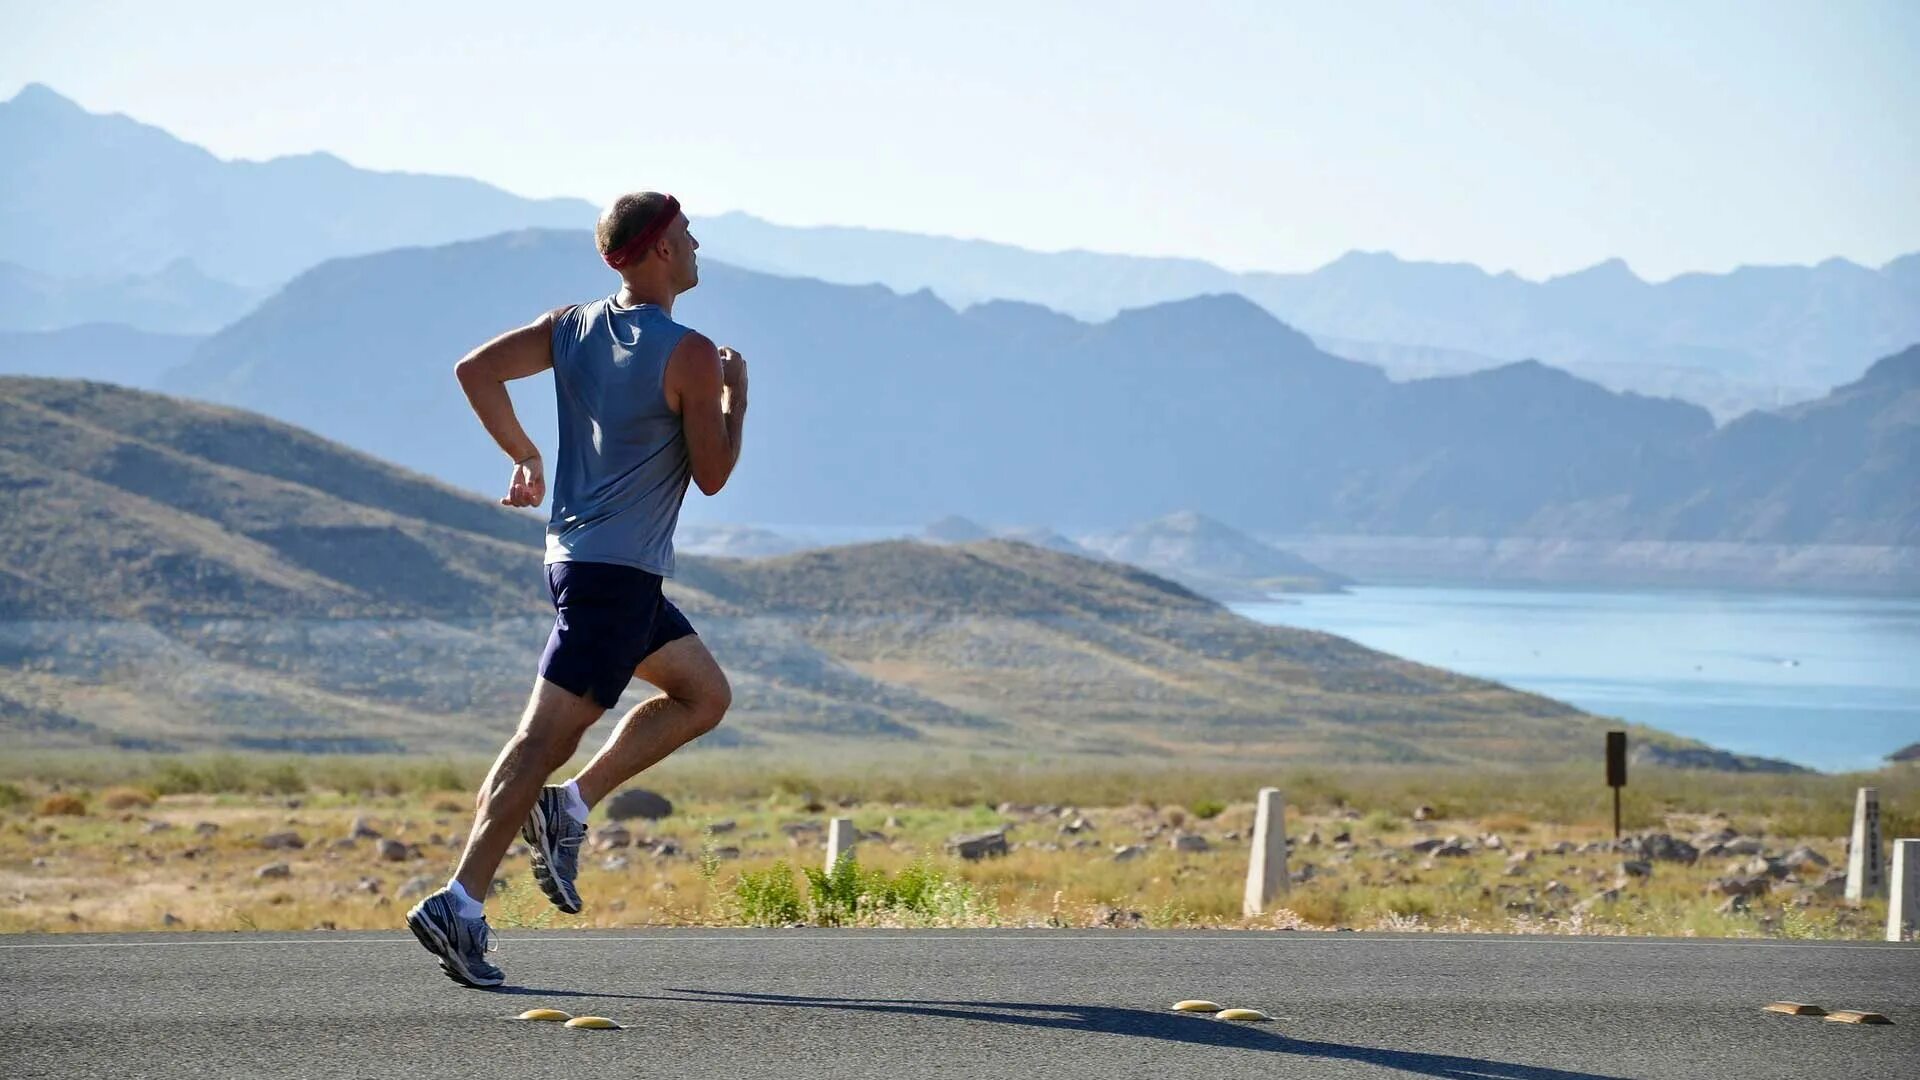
(710, 394)
(484, 374)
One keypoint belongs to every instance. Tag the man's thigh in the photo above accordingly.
(684, 669)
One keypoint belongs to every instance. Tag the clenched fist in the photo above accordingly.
(733, 373)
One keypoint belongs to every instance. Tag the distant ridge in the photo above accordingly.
(1213, 558)
(898, 408)
(75, 186)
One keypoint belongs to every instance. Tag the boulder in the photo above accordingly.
(286, 840)
(1804, 856)
(1492, 842)
(1661, 847)
(363, 830)
(1740, 885)
(1190, 842)
(1636, 868)
(1744, 845)
(610, 837)
(274, 870)
(979, 845)
(640, 803)
(1128, 852)
(1832, 884)
(395, 851)
(206, 828)
(1452, 849)
(1425, 813)
(1425, 844)
(721, 827)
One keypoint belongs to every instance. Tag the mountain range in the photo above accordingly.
(98, 206)
(179, 575)
(908, 410)
(84, 195)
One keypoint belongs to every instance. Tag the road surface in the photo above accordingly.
(725, 1004)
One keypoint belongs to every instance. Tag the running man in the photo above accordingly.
(645, 404)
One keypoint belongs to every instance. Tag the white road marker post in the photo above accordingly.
(1267, 866)
(1903, 902)
(1866, 865)
(841, 836)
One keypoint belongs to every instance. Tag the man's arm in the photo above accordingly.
(708, 388)
(484, 374)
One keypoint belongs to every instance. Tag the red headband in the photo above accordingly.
(645, 238)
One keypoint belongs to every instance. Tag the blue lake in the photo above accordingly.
(1830, 682)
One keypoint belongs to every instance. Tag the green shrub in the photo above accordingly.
(11, 796)
(1207, 809)
(767, 897)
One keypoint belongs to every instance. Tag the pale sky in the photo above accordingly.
(1534, 136)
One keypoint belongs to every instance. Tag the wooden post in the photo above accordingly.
(1866, 865)
(840, 840)
(1267, 867)
(1903, 901)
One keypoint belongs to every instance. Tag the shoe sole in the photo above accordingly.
(534, 832)
(450, 965)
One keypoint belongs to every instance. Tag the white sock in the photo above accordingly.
(577, 808)
(469, 907)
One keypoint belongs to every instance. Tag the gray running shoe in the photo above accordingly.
(555, 838)
(461, 944)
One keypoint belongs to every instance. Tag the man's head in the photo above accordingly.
(644, 236)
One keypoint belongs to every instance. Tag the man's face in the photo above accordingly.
(682, 245)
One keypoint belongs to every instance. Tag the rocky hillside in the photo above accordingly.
(176, 575)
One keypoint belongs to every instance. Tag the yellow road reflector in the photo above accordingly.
(543, 1014)
(1242, 1014)
(1196, 1005)
(597, 1023)
(1796, 1008)
(1856, 1016)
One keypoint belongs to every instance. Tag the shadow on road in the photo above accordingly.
(1144, 1023)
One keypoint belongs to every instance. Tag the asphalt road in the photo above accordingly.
(726, 1004)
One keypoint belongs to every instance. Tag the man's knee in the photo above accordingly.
(710, 700)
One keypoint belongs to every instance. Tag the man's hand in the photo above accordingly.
(529, 484)
(733, 374)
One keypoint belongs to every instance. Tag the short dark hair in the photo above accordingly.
(627, 217)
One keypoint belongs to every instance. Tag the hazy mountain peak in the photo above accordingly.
(954, 529)
(1614, 271)
(43, 98)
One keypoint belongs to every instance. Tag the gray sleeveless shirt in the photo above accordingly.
(623, 465)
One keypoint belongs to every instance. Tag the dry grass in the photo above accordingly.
(150, 867)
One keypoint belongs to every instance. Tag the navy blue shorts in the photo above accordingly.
(607, 619)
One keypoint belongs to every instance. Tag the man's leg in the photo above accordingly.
(694, 695)
(549, 733)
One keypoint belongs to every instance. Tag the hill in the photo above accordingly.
(175, 299)
(1741, 335)
(179, 575)
(1006, 412)
(107, 352)
(1214, 558)
(84, 195)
